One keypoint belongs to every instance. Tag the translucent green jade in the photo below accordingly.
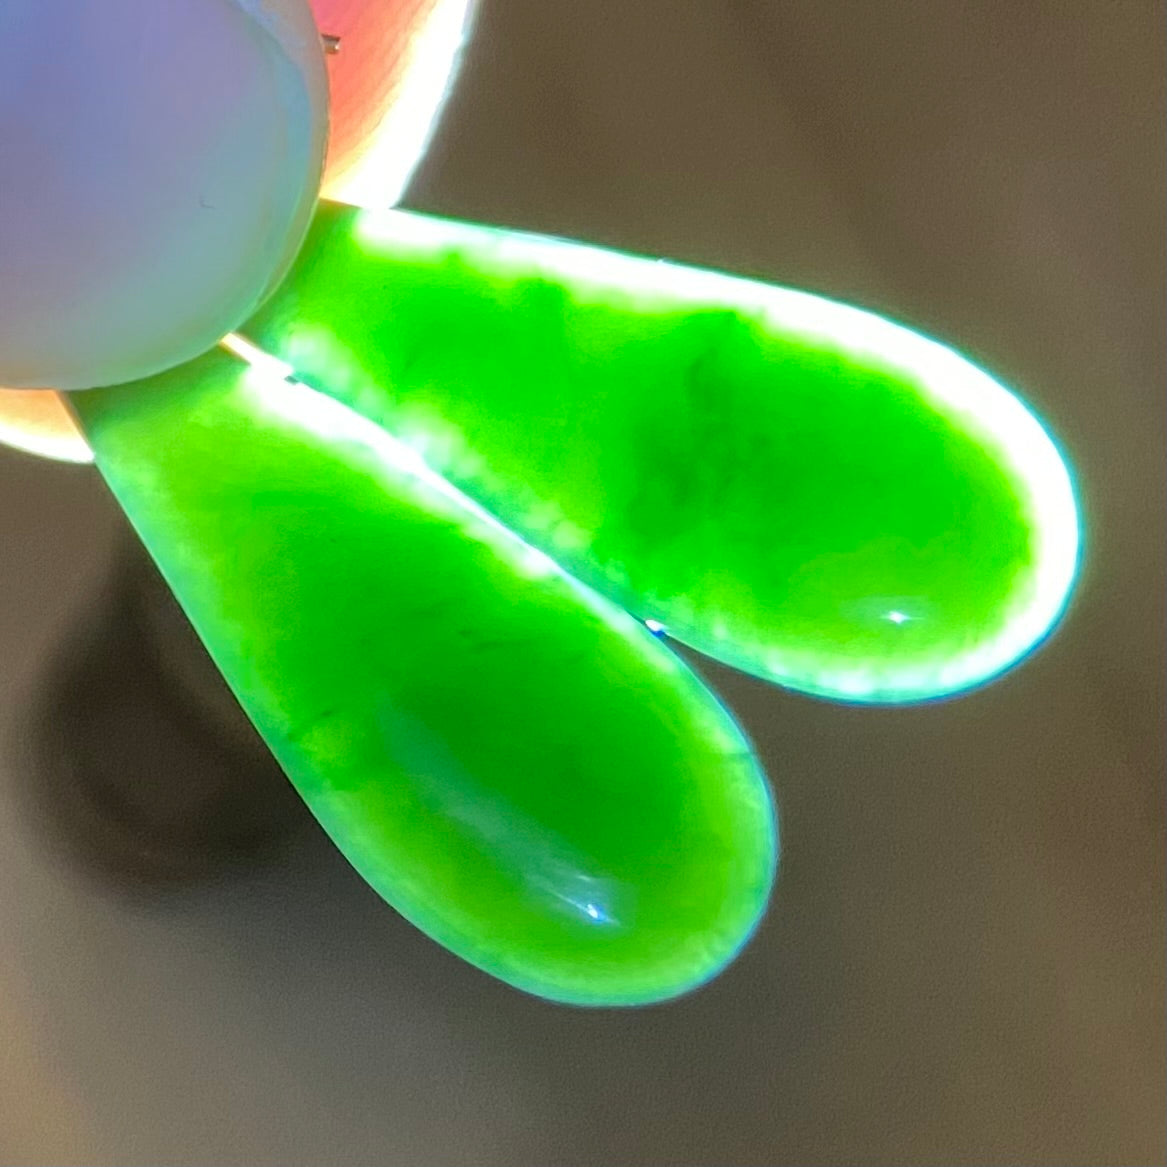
(412, 529)
(515, 763)
(799, 488)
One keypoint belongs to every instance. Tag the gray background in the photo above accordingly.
(964, 957)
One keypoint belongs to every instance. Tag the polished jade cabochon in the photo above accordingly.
(517, 765)
(799, 488)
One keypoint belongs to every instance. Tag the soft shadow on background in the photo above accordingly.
(964, 960)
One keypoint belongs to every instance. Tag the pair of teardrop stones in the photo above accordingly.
(433, 508)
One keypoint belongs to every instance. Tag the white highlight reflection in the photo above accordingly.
(399, 143)
(962, 392)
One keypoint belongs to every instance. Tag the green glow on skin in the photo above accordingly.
(799, 488)
(513, 762)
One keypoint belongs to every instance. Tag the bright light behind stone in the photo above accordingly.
(159, 165)
(400, 83)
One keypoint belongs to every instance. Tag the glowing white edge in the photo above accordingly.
(399, 143)
(957, 388)
(66, 447)
(279, 394)
(254, 356)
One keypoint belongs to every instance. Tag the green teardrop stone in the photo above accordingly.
(799, 488)
(518, 766)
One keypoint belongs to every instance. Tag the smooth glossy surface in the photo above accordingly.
(387, 86)
(799, 488)
(521, 768)
(159, 163)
